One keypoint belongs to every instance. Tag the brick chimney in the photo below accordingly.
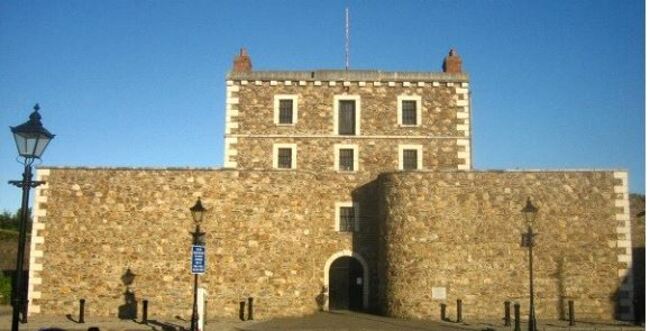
(452, 64)
(242, 62)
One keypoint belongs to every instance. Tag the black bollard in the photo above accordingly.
(517, 320)
(459, 311)
(24, 312)
(82, 303)
(443, 312)
(145, 311)
(572, 317)
(250, 308)
(242, 307)
(506, 318)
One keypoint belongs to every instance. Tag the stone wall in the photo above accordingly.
(462, 232)
(270, 234)
(444, 128)
(378, 109)
(375, 155)
(637, 220)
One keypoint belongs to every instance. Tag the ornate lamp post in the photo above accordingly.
(31, 140)
(198, 239)
(530, 212)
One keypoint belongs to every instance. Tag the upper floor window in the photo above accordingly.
(347, 217)
(346, 157)
(285, 109)
(347, 115)
(409, 110)
(284, 156)
(410, 157)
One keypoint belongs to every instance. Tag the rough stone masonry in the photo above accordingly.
(300, 148)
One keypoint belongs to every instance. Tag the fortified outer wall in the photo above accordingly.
(461, 231)
(269, 235)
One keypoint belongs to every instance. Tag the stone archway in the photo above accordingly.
(364, 269)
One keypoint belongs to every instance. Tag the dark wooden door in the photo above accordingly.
(346, 284)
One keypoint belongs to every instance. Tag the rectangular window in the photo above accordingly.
(286, 111)
(409, 112)
(347, 117)
(410, 159)
(346, 159)
(346, 219)
(284, 158)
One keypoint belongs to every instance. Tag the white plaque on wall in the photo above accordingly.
(439, 293)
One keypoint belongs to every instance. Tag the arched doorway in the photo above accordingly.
(346, 283)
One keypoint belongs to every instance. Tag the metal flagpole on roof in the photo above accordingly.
(347, 38)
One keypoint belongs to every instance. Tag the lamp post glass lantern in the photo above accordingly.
(198, 238)
(31, 140)
(530, 213)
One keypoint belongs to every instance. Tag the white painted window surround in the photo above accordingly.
(294, 154)
(337, 214)
(354, 148)
(401, 149)
(418, 109)
(276, 108)
(357, 112)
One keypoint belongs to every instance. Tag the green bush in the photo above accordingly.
(5, 288)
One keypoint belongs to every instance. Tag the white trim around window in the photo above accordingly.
(357, 112)
(337, 214)
(401, 150)
(418, 109)
(294, 152)
(355, 151)
(276, 108)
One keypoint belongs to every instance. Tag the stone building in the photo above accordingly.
(340, 190)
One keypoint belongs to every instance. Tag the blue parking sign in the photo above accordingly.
(198, 259)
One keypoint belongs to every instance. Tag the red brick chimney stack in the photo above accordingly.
(242, 62)
(453, 64)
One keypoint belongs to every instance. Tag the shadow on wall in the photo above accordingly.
(321, 298)
(365, 240)
(562, 299)
(129, 310)
(638, 254)
(622, 299)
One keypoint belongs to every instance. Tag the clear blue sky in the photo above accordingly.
(556, 84)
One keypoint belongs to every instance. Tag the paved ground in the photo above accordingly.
(318, 322)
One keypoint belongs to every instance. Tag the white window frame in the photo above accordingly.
(337, 215)
(276, 108)
(357, 113)
(418, 109)
(401, 155)
(294, 153)
(354, 148)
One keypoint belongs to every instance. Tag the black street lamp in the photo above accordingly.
(530, 212)
(31, 140)
(197, 239)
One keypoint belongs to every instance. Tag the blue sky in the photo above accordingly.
(555, 84)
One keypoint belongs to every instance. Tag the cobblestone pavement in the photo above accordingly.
(318, 322)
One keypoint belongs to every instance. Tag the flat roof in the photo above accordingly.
(349, 75)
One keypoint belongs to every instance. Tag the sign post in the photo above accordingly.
(198, 259)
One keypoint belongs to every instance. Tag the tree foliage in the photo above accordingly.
(11, 222)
